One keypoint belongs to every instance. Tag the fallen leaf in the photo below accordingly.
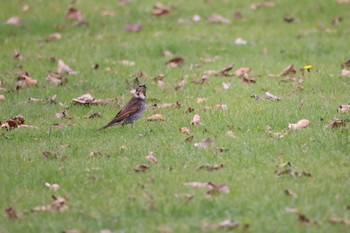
(342, 108)
(62, 68)
(205, 143)
(238, 15)
(201, 80)
(167, 53)
(141, 168)
(224, 225)
(54, 187)
(288, 70)
(196, 18)
(225, 71)
(189, 139)
(201, 100)
(13, 122)
(336, 21)
(338, 220)
(215, 18)
(240, 41)
(226, 86)
(136, 27)
(88, 99)
(2, 98)
(290, 193)
(127, 63)
(243, 71)
(335, 122)
(54, 36)
(151, 157)
(221, 106)
(11, 213)
(211, 167)
(175, 62)
(184, 130)
(291, 210)
(345, 73)
(74, 14)
(156, 117)
(346, 64)
(93, 115)
(72, 231)
(17, 55)
(25, 7)
(50, 155)
(292, 172)
(180, 85)
(303, 123)
(196, 120)
(303, 219)
(231, 134)
(159, 9)
(270, 96)
(256, 97)
(14, 20)
(62, 114)
(58, 204)
(186, 196)
(24, 80)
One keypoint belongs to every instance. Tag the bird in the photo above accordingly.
(131, 111)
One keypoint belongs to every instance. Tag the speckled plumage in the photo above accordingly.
(133, 110)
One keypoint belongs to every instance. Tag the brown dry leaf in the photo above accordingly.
(303, 219)
(248, 80)
(288, 70)
(167, 53)
(281, 134)
(189, 139)
(156, 117)
(169, 105)
(93, 115)
(270, 96)
(74, 14)
(88, 99)
(11, 213)
(54, 187)
(17, 55)
(24, 80)
(225, 71)
(339, 220)
(50, 155)
(58, 204)
(196, 120)
(180, 85)
(224, 225)
(217, 188)
(62, 68)
(292, 172)
(205, 143)
(290, 193)
(215, 18)
(201, 80)
(335, 122)
(184, 130)
(141, 168)
(336, 21)
(136, 27)
(345, 73)
(210, 168)
(107, 13)
(303, 123)
(175, 62)
(13, 122)
(346, 64)
(25, 7)
(2, 98)
(342, 108)
(221, 106)
(243, 71)
(231, 134)
(151, 157)
(59, 115)
(14, 20)
(72, 231)
(54, 36)
(201, 100)
(159, 9)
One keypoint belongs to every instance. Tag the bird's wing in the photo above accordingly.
(130, 108)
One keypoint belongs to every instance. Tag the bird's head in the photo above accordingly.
(141, 90)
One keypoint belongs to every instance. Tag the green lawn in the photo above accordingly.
(103, 191)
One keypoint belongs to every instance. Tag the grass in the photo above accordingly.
(105, 192)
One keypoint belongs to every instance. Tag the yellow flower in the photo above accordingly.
(308, 67)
